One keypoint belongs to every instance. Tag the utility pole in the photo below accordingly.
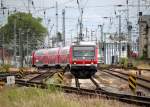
(15, 41)
(91, 35)
(139, 19)
(78, 31)
(3, 48)
(86, 33)
(21, 48)
(128, 21)
(52, 45)
(63, 26)
(27, 46)
(48, 39)
(71, 35)
(81, 26)
(101, 41)
(56, 23)
(48, 33)
(119, 37)
(102, 38)
(129, 36)
(29, 6)
(139, 8)
(129, 27)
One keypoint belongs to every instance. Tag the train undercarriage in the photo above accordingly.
(83, 72)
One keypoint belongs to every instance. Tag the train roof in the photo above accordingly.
(87, 43)
(52, 49)
(40, 50)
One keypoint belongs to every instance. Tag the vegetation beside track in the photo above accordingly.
(10, 68)
(141, 64)
(34, 97)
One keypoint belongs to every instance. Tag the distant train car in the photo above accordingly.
(80, 60)
(40, 58)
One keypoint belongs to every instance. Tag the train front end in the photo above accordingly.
(83, 61)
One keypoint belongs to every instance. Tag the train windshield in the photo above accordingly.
(84, 52)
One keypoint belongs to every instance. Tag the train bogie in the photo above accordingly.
(83, 72)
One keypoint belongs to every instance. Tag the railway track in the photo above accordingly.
(120, 67)
(44, 74)
(4, 75)
(96, 92)
(140, 78)
(144, 83)
(92, 80)
(42, 77)
(37, 81)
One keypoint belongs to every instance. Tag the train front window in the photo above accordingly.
(84, 52)
(39, 53)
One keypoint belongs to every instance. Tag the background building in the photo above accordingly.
(144, 39)
(112, 49)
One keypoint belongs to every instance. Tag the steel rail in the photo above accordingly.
(126, 78)
(95, 83)
(138, 100)
(140, 78)
(42, 76)
(120, 67)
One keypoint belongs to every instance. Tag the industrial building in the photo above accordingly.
(111, 51)
(144, 39)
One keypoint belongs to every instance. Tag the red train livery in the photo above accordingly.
(80, 60)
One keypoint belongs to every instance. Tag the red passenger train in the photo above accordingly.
(80, 60)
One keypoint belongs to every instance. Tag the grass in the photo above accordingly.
(143, 64)
(34, 97)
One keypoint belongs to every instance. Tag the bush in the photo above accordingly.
(124, 62)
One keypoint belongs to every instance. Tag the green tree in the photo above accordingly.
(25, 24)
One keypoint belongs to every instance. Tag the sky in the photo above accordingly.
(94, 12)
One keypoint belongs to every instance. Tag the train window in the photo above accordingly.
(83, 48)
(39, 53)
(83, 51)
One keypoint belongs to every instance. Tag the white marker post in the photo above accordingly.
(10, 80)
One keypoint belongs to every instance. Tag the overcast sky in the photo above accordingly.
(93, 13)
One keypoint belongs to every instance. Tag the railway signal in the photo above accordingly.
(132, 82)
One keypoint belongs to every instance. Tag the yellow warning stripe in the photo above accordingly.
(61, 77)
(132, 85)
(131, 78)
(59, 80)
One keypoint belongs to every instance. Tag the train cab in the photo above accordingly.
(84, 60)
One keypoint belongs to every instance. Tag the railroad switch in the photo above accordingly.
(58, 77)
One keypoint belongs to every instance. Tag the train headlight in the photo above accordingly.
(92, 63)
(37, 60)
(74, 63)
